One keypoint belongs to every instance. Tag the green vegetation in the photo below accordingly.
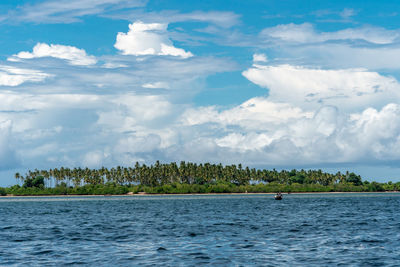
(63, 189)
(187, 178)
(38, 182)
(3, 192)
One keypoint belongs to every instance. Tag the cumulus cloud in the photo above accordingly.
(378, 131)
(350, 89)
(67, 121)
(326, 137)
(73, 55)
(323, 136)
(83, 122)
(12, 76)
(148, 39)
(121, 129)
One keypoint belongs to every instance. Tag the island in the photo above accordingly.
(186, 178)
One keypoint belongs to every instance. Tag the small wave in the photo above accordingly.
(371, 241)
(42, 252)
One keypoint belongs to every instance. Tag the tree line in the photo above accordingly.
(160, 174)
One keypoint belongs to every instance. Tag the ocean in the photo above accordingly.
(360, 229)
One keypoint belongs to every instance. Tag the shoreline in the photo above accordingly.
(200, 194)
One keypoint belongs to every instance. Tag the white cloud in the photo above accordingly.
(12, 76)
(156, 85)
(59, 122)
(350, 89)
(177, 75)
(260, 58)
(243, 142)
(148, 39)
(123, 129)
(301, 44)
(73, 55)
(378, 132)
(130, 112)
(324, 136)
(255, 114)
(305, 33)
(83, 123)
(67, 11)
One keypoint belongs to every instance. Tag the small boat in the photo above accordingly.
(278, 197)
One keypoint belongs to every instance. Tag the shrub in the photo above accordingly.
(38, 181)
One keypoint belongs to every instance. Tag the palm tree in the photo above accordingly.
(17, 177)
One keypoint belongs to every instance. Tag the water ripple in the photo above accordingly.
(238, 230)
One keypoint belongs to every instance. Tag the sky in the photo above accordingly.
(269, 84)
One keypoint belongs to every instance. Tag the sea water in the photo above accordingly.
(218, 230)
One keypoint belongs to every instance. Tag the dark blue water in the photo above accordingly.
(229, 230)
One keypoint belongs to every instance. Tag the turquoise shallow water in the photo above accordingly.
(223, 230)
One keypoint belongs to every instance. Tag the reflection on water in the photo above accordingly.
(305, 230)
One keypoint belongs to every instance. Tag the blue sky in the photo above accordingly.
(272, 84)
